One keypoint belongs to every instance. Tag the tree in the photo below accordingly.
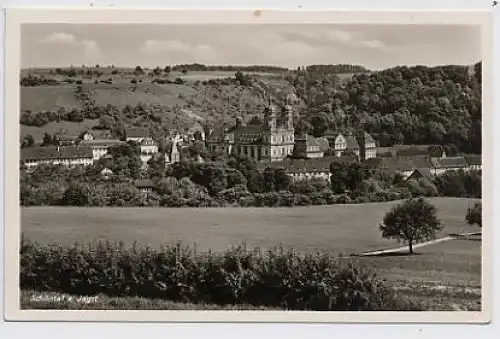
(28, 141)
(412, 221)
(474, 215)
(138, 70)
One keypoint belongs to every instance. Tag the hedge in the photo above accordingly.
(275, 278)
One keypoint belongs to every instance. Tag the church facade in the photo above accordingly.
(272, 140)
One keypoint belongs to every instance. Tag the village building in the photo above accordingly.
(309, 147)
(362, 144)
(474, 162)
(145, 186)
(67, 140)
(137, 134)
(148, 149)
(69, 156)
(448, 164)
(422, 174)
(100, 146)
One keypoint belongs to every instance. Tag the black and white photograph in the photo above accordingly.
(257, 166)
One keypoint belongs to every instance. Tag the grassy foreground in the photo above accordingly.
(60, 301)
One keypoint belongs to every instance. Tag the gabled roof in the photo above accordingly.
(406, 164)
(424, 173)
(369, 138)
(101, 143)
(144, 184)
(373, 162)
(323, 143)
(451, 162)
(67, 137)
(473, 159)
(351, 142)
(148, 142)
(137, 132)
(62, 152)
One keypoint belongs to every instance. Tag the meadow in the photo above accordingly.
(442, 276)
(337, 228)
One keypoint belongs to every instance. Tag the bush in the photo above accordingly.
(275, 278)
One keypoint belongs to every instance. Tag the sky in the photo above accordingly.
(373, 46)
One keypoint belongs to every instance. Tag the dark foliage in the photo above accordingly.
(277, 278)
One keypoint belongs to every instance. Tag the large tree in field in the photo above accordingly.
(412, 221)
(474, 215)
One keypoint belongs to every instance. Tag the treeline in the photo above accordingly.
(154, 117)
(228, 68)
(32, 81)
(410, 105)
(334, 69)
(276, 278)
(233, 182)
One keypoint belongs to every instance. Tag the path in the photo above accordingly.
(405, 248)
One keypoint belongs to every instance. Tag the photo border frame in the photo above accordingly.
(15, 17)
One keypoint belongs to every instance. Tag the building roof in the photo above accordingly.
(369, 138)
(148, 142)
(299, 165)
(351, 142)
(137, 132)
(62, 152)
(374, 162)
(330, 134)
(144, 184)
(424, 173)
(67, 137)
(473, 159)
(406, 164)
(323, 143)
(450, 162)
(100, 143)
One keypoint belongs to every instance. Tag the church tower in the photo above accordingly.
(270, 115)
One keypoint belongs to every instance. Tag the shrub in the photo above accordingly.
(279, 278)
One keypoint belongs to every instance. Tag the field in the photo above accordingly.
(445, 275)
(338, 228)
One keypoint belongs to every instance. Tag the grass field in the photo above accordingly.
(338, 228)
(444, 276)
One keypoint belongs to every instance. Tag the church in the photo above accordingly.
(272, 140)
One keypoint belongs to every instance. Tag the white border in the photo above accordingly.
(15, 17)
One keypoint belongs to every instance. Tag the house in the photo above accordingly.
(474, 161)
(422, 174)
(402, 165)
(145, 186)
(195, 132)
(148, 149)
(362, 144)
(66, 155)
(87, 136)
(303, 169)
(271, 140)
(309, 147)
(448, 164)
(67, 140)
(137, 134)
(100, 146)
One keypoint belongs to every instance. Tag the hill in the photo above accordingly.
(213, 96)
